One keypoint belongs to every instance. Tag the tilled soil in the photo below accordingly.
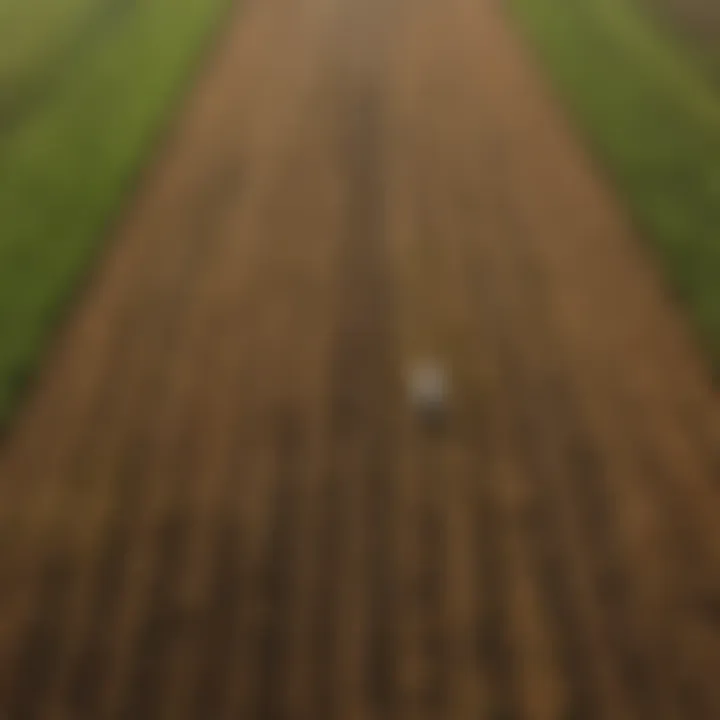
(218, 501)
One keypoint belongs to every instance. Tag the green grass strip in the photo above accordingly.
(32, 32)
(654, 119)
(65, 172)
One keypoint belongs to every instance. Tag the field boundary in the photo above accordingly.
(653, 131)
(15, 379)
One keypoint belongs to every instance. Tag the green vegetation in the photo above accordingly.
(65, 168)
(33, 31)
(654, 118)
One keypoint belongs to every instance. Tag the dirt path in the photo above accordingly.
(218, 503)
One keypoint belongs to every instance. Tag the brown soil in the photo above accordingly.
(218, 502)
(699, 20)
(696, 25)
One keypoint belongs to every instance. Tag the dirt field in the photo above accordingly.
(218, 503)
(699, 19)
(696, 23)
